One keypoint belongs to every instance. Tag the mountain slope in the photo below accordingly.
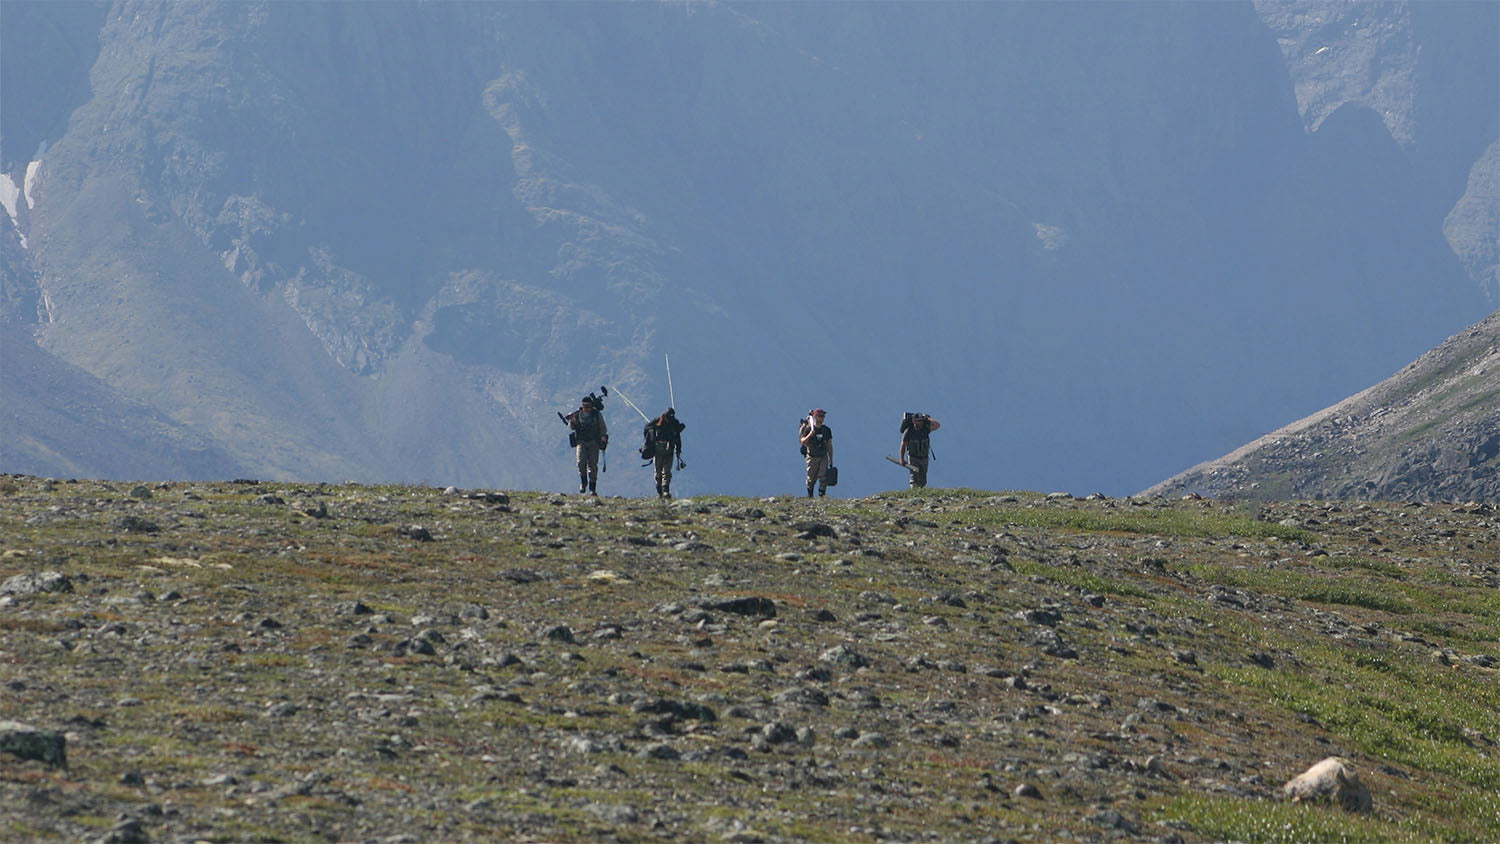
(62, 421)
(1429, 432)
(391, 241)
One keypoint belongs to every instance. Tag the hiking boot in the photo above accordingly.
(822, 491)
(809, 491)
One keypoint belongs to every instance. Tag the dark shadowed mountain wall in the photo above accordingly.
(1100, 242)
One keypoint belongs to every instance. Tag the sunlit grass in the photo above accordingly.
(1222, 818)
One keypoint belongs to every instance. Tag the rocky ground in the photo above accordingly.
(270, 662)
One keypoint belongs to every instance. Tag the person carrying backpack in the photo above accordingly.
(817, 447)
(663, 444)
(590, 436)
(916, 447)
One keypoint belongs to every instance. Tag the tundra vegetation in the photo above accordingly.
(280, 662)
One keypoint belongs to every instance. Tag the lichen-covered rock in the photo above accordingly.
(33, 582)
(28, 742)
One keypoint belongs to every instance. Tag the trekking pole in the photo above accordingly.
(671, 396)
(632, 404)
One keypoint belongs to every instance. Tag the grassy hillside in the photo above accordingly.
(267, 662)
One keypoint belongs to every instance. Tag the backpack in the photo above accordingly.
(648, 448)
(802, 432)
(918, 439)
(586, 427)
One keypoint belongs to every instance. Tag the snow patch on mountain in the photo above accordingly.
(12, 197)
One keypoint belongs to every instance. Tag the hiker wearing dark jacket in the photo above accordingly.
(916, 448)
(592, 437)
(664, 433)
(817, 446)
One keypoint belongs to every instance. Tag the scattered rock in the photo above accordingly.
(753, 606)
(660, 750)
(558, 633)
(352, 608)
(778, 732)
(1112, 819)
(415, 532)
(136, 524)
(801, 696)
(815, 530)
(28, 584)
(907, 650)
(27, 742)
(127, 831)
(315, 510)
(845, 656)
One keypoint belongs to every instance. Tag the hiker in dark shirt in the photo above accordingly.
(591, 436)
(663, 446)
(916, 448)
(817, 447)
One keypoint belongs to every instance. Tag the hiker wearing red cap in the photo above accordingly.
(817, 447)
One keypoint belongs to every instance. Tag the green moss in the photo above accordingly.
(1081, 578)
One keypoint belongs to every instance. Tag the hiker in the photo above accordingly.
(817, 447)
(590, 436)
(916, 448)
(664, 444)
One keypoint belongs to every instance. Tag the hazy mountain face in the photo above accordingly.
(390, 241)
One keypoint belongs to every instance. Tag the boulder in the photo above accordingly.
(28, 584)
(28, 742)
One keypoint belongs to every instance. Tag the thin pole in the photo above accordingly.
(632, 404)
(671, 396)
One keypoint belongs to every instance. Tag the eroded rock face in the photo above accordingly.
(1398, 61)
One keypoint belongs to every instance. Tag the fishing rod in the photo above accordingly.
(625, 399)
(672, 401)
(632, 404)
(671, 396)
